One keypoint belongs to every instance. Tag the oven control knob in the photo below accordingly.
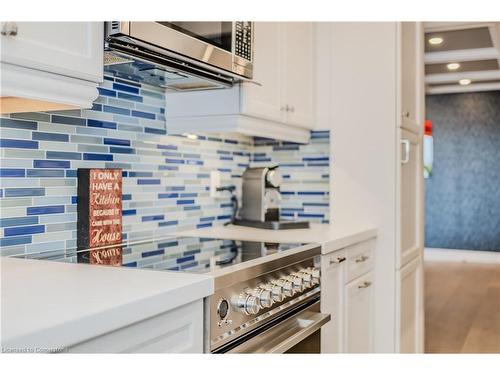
(315, 275)
(306, 278)
(264, 297)
(277, 293)
(297, 283)
(248, 304)
(252, 305)
(286, 285)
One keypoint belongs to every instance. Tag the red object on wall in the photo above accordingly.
(428, 127)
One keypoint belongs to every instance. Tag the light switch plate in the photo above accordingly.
(215, 182)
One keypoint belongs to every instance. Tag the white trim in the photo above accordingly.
(472, 54)
(466, 256)
(476, 76)
(455, 89)
(242, 124)
(431, 27)
(18, 81)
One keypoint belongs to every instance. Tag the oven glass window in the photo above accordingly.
(218, 34)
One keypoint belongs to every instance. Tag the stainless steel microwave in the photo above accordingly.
(221, 50)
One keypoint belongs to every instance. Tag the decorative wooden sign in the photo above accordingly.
(99, 216)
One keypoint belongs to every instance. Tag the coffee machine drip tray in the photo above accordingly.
(276, 225)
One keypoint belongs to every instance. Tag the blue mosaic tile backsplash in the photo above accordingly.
(165, 177)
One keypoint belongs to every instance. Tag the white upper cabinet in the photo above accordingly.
(412, 75)
(73, 49)
(284, 74)
(279, 101)
(298, 73)
(264, 99)
(50, 65)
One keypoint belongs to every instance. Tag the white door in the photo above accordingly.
(298, 73)
(74, 49)
(410, 205)
(409, 291)
(358, 335)
(332, 297)
(263, 98)
(412, 75)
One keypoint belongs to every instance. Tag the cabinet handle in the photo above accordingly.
(285, 108)
(291, 109)
(406, 143)
(366, 284)
(362, 258)
(406, 114)
(338, 260)
(9, 29)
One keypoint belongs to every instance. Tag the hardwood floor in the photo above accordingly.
(462, 307)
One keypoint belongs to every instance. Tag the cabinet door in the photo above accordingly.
(298, 73)
(358, 335)
(410, 203)
(263, 99)
(74, 49)
(411, 63)
(332, 296)
(410, 317)
(175, 331)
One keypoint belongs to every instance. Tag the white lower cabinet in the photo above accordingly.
(176, 331)
(332, 296)
(347, 294)
(409, 289)
(358, 307)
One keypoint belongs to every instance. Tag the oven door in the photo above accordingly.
(299, 333)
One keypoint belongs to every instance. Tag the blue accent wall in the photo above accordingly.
(462, 197)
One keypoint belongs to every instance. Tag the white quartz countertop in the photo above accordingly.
(331, 237)
(46, 304)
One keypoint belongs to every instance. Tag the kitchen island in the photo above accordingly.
(52, 306)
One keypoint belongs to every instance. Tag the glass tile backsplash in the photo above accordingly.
(166, 177)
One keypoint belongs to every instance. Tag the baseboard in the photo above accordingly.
(466, 256)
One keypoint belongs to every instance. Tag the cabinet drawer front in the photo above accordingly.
(333, 260)
(176, 331)
(359, 259)
(359, 315)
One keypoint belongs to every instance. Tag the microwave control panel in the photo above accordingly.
(243, 39)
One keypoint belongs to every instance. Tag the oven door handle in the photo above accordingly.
(285, 335)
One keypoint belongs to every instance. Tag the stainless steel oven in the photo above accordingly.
(218, 50)
(269, 305)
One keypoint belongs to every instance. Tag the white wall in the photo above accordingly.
(363, 139)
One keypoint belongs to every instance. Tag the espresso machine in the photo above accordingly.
(261, 200)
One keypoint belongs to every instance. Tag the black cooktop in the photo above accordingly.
(177, 253)
(195, 254)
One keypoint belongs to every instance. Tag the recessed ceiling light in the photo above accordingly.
(465, 82)
(436, 40)
(453, 66)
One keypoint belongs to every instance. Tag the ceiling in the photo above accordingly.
(475, 46)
